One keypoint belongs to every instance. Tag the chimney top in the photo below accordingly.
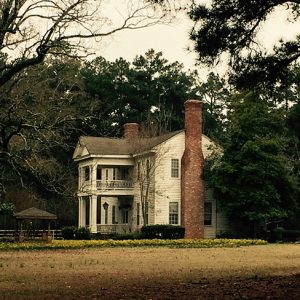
(131, 130)
(189, 103)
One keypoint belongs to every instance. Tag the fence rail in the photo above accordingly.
(32, 234)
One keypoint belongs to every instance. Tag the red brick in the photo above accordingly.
(131, 130)
(192, 185)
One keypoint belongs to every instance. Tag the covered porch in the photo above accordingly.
(107, 214)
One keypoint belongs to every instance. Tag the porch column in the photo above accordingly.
(94, 177)
(81, 212)
(93, 213)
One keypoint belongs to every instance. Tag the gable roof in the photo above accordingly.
(34, 213)
(118, 146)
(105, 145)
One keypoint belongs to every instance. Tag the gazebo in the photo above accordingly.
(33, 213)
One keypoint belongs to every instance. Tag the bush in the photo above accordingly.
(162, 232)
(68, 232)
(291, 235)
(130, 236)
(83, 233)
(276, 234)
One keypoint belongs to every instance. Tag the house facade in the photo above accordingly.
(124, 183)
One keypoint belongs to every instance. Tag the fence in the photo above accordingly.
(33, 234)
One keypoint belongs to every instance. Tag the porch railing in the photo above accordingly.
(114, 184)
(114, 228)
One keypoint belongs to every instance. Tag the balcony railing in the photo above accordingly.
(114, 184)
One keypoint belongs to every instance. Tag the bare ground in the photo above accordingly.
(256, 272)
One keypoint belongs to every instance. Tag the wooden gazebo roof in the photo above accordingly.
(34, 213)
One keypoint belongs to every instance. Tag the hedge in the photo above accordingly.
(162, 232)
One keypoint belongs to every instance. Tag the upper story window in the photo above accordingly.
(99, 173)
(86, 173)
(208, 213)
(175, 168)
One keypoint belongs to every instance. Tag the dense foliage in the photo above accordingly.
(255, 180)
(162, 232)
(148, 90)
(232, 27)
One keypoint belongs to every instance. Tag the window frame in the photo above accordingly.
(86, 173)
(113, 214)
(208, 221)
(174, 215)
(174, 168)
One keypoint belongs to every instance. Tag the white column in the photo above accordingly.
(93, 213)
(79, 212)
(83, 211)
(93, 170)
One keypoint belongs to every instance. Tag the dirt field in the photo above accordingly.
(256, 272)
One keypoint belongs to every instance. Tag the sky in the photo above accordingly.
(173, 39)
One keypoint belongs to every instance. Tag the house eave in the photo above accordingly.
(102, 156)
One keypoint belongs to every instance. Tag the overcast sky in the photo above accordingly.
(173, 39)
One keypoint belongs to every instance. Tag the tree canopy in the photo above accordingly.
(232, 27)
(150, 89)
(255, 180)
(32, 29)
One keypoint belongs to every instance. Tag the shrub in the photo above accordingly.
(130, 236)
(68, 232)
(291, 235)
(162, 232)
(83, 233)
(276, 234)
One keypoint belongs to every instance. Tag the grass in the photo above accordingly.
(78, 273)
(180, 243)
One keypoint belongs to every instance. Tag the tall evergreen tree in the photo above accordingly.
(254, 180)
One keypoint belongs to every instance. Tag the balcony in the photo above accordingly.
(114, 184)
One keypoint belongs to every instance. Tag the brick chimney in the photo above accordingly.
(131, 130)
(192, 185)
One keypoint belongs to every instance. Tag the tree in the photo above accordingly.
(254, 180)
(148, 89)
(216, 95)
(232, 27)
(62, 26)
(37, 124)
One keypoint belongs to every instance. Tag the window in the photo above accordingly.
(125, 216)
(106, 216)
(138, 214)
(98, 210)
(106, 174)
(175, 168)
(173, 213)
(125, 173)
(113, 214)
(99, 173)
(208, 213)
(114, 173)
(86, 173)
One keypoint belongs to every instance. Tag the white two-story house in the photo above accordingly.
(125, 183)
